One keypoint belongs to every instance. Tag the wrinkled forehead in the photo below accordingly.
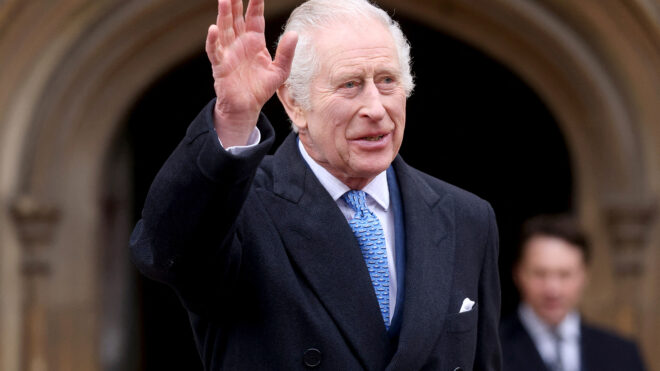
(344, 41)
(351, 30)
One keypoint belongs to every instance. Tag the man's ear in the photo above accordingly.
(292, 107)
(515, 274)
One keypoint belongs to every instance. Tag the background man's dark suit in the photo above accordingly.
(600, 350)
(273, 278)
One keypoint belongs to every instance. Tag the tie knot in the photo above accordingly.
(556, 334)
(357, 200)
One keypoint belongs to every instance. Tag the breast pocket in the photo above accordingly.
(462, 322)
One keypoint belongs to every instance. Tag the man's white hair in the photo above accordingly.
(316, 14)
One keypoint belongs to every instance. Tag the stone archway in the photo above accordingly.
(596, 66)
(69, 82)
(597, 101)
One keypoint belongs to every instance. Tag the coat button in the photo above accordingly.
(312, 357)
(458, 369)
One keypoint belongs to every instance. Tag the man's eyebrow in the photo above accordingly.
(389, 71)
(348, 73)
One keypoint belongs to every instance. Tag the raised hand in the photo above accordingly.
(245, 74)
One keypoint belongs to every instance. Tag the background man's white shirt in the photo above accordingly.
(544, 339)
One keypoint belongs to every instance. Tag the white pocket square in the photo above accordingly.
(467, 305)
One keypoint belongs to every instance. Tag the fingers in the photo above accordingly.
(237, 13)
(212, 45)
(254, 16)
(284, 53)
(230, 20)
(225, 23)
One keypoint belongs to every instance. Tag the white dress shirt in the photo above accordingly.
(544, 339)
(378, 201)
(253, 140)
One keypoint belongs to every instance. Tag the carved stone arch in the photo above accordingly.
(73, 80)
(591, 102)
(596, 66)
(77, 66)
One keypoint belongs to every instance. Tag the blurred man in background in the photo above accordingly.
(547, 332)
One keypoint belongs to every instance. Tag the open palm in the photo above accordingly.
(244, 74)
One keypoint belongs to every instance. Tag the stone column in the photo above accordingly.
(35, 223)
(629, 226)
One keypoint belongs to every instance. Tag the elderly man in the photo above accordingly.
(333, 253)
(547, 332)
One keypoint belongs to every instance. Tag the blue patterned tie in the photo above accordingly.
(370, 236)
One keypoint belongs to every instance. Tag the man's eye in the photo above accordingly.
(350, 84)
(388, 80)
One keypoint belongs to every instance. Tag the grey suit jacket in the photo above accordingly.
(273, 278)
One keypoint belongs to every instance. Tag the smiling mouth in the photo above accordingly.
(373, 139)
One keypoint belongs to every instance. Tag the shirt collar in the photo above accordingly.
(569, 327)
(377, 188)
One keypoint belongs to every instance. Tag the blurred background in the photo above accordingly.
(537, 106)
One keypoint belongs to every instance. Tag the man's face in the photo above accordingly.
(551, 276)
(355, 125)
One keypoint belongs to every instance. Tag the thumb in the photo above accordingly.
(284, 53)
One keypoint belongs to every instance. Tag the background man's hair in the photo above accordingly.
(562, 226)
(314, 15)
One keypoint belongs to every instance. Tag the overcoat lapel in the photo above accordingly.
(589, 350)
(430, 243)
(323, 247)
(527, 356)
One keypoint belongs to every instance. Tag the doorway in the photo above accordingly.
(471, 122)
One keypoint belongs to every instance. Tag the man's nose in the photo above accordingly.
(553, 284)
(372, 104)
